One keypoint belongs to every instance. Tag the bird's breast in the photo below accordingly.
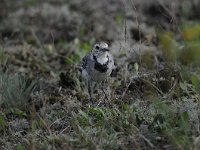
(100, 73)
(101, 68)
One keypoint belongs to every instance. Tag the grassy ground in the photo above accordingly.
(154, 91)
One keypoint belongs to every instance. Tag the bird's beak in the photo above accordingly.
(105, 49)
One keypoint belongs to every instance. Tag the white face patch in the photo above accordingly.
(100, 51)
(102, 59)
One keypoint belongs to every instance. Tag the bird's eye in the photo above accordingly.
(97, 47)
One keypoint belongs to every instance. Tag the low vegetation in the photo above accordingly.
(153, 95)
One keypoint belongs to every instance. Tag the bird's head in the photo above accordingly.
(100, 49)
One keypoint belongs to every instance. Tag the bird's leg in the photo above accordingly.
(105, 94)
(102, 88)
(90, 91)
(95, 87)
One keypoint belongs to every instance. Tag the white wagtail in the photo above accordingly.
(97, 66)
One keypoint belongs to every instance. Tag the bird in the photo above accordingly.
(97, 66)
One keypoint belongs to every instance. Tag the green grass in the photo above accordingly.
(15, 90)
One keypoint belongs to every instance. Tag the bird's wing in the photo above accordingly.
(85, 61)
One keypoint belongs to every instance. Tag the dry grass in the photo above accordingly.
(153, 92)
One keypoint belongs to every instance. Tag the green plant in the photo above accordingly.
(3, 57)
(172, 123)
(15, 89)
(19, 147)
(81, 49)
(186, 51)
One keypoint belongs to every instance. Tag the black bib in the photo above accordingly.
(100, 67)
